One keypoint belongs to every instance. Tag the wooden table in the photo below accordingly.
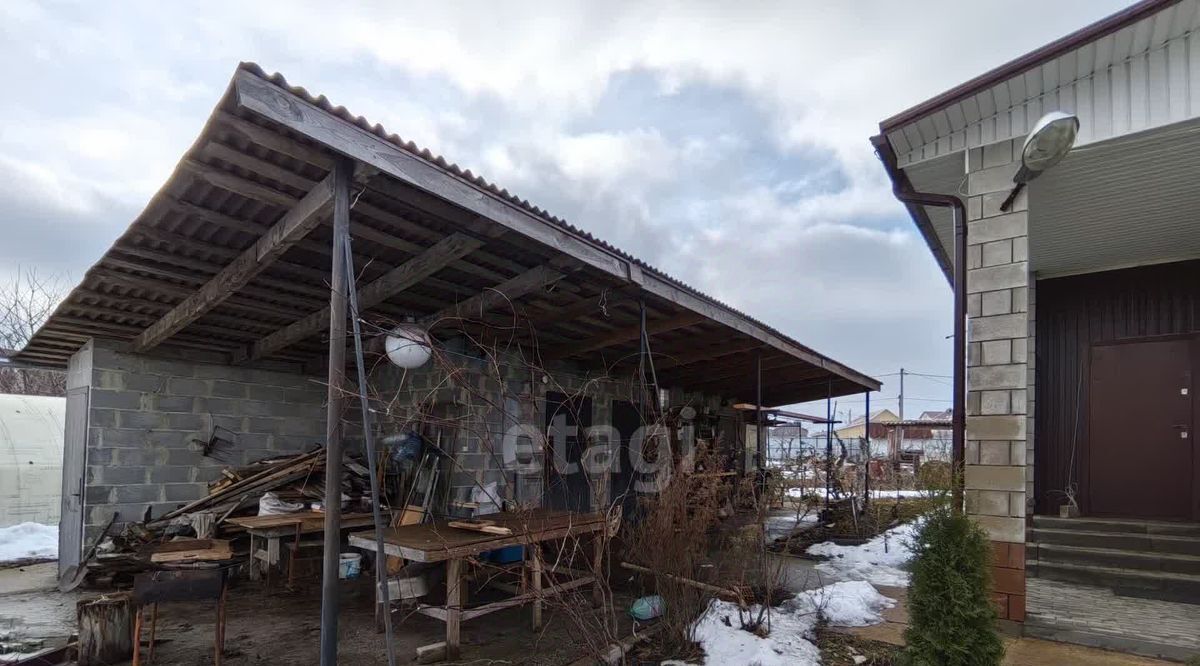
(438, 542)
(274, 529)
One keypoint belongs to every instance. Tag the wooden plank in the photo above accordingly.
(275, 141)
(234, 183)
(393, 282)
(294, 225)
(535, 578)
(455, 584)
(435, 542)
(493, 297)
(192, 550)
(432, 653)
(480, 526)
(624, 334)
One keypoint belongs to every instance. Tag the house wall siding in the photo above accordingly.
(998, 369)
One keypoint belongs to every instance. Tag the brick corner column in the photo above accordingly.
(998, 333)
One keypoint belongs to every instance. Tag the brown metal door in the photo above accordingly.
(1142, 444)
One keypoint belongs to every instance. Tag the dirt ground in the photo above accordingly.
(274, 626)
(281, 627)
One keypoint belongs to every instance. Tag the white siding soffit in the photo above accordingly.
(1144, 75)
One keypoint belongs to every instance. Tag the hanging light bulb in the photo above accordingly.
(408, 346)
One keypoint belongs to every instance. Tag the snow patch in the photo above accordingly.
(880, 561)
(793, 623)
(28, 541)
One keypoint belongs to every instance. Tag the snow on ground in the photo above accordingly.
(847, 604)
(879, 561)
(28, 541)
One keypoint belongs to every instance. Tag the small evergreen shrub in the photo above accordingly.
(952, 621)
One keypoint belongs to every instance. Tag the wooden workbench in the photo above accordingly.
(274, 529)
(438, 542)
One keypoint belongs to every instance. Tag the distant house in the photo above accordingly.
(854, 429)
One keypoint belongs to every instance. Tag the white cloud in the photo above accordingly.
(762, 190)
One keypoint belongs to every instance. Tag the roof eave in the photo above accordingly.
(901, 183)
(1035, 58)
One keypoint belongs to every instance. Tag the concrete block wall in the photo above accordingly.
(999, 331)
(145, 412)
(484, 399)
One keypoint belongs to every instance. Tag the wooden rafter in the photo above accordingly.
(294, 225)
(493, 297)
(625, 334)
(395, 281)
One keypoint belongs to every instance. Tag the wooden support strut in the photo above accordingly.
(627, 334)
(293, 226)
(393, 282)
(493, 297)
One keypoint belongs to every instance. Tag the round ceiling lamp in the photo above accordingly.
(408, 346)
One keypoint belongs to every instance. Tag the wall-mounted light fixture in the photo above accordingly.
(1049, 142)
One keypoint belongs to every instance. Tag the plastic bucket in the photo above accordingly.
(349, 566)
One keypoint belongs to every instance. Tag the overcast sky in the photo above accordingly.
(725, 143)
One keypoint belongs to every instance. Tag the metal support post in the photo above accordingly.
(342, 170)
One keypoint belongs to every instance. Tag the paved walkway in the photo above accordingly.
(1017, 651)
(1098, 614)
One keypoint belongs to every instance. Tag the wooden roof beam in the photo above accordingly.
(493, 297)
(395, 281)
(294, 225)
(626, 334)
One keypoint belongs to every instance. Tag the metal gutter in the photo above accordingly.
(958, 417)
(901, 183)
(1101, 28)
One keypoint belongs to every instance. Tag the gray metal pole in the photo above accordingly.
(828, 439)
(381, 581)
(867, 435)
(342, 170)
(758, 413)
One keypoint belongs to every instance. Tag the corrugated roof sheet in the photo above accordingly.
(342, 112)
(247, 168)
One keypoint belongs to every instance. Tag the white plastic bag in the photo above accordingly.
(270, 505)
(487, 499)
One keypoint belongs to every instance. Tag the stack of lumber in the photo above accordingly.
(233, 499)
(227, 497)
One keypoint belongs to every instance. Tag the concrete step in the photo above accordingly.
(1153, 543)
(1123, 526)
(1177, 587)
(1111, 557)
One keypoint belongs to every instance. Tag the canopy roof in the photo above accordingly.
(230, 262)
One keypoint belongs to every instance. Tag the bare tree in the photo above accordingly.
(25, 302)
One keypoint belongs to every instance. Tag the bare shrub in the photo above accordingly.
(25, 302)
(672, 540)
